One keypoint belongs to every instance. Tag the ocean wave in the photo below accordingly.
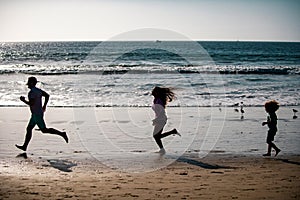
(279, 71)
(134, 90)
(37, 69)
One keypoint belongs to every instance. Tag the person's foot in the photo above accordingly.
(162, 151)
(21, 147)
(64, 135)
(277, 152)
(175, 132)
(22, 155)
(267, 154)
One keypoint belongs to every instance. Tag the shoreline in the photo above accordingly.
(138, 106)
(111, 155)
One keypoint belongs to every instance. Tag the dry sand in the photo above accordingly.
(52, 169)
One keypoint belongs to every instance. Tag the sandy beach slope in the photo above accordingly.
(111, 155)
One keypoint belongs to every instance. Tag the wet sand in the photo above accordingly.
(191, 169)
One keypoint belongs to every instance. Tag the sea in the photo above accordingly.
(123, 73)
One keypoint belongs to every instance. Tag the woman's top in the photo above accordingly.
(160, 113)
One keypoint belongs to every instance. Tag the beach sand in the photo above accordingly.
(109, 157)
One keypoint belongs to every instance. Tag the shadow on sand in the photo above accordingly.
(22, 155)
(201, 164)
(289, 161)
(62, 165)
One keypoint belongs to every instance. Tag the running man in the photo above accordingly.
(37, 113)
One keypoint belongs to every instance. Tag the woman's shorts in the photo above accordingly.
(158, 127)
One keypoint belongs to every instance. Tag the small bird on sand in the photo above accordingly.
(236, 105)
(294, 110)
(295, 116)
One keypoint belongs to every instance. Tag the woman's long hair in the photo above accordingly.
(164, 94)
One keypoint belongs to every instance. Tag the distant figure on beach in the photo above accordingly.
(271, 107)
(161, 97)
(37, 113)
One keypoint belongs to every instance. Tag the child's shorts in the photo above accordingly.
(271, 135)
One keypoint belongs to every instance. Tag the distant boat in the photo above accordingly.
(158, 41)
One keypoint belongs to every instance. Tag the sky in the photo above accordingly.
(99, 20)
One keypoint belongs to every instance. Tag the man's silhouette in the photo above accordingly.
(37, 113)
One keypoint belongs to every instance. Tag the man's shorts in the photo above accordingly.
(37, 120)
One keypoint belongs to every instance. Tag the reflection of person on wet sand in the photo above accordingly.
(161, 97)
(271, 107)
(37, 113)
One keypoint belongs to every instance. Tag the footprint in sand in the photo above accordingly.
(77, 122)
(58, 122)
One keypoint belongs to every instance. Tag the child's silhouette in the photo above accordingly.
(271, 107)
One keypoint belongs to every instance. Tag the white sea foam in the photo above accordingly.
(125, 90)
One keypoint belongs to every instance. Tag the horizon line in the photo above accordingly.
(151, 40)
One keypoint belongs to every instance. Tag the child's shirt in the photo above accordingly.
(272, 121)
